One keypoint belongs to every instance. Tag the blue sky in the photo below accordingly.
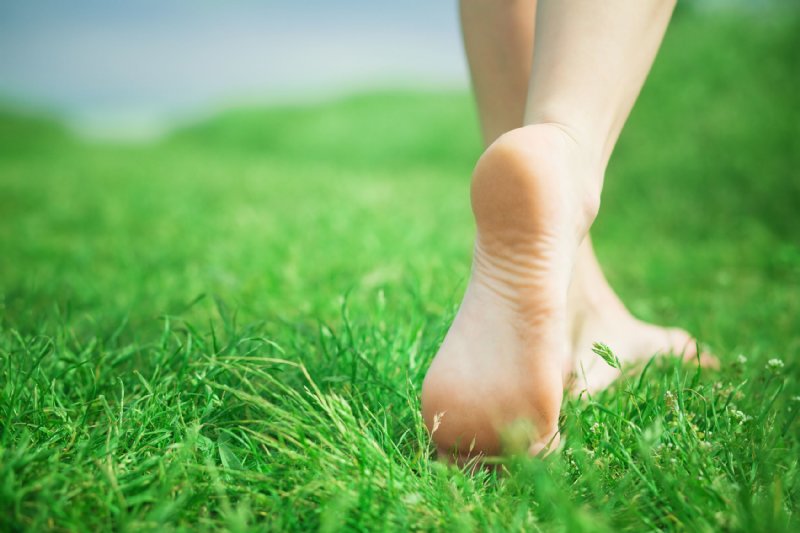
(138, 66)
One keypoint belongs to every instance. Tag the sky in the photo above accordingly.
(135, 68)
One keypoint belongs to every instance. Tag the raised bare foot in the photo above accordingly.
(501, 362)
(597, 315)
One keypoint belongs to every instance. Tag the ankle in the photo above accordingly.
(589, 200)
(590, 138)
(589, 171)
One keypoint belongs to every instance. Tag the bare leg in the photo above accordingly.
(499, 46)
(535, 193)
(498, 39)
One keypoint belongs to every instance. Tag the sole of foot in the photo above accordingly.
(497, 379)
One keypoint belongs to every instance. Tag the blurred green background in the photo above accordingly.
(281, 210)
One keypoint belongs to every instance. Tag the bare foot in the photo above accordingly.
(500, 365)
(597, 315)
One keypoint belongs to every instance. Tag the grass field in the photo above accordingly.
(229, 328)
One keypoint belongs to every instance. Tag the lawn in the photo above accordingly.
(229, 328)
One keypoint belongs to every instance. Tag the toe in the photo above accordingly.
(546, 445)
(681, 343)
(686, 346)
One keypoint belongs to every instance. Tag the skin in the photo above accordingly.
(554, 83)
(499, 41)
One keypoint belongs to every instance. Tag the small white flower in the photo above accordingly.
(741, 359)
(671, 402)
(774, 364)
(596, 427)
(739, 415)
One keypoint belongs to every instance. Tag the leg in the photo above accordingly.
(535, 192)
(498, 39)
(499, 46)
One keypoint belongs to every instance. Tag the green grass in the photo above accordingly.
(229, 329)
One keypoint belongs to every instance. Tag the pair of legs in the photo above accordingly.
(555, 81)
